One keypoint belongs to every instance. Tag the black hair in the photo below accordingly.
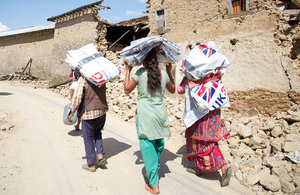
(153, 72)
(76, 74)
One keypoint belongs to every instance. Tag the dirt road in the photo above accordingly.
(41, 155)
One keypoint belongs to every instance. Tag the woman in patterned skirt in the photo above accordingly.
(202, 139)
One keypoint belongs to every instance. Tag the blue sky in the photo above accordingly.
(15, 14)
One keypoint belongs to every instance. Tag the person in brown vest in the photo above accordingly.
(75, 76)
(93, 120)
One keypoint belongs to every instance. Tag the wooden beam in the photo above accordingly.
(54, 86)
(119, 39)
(102, 7)
(29, 62)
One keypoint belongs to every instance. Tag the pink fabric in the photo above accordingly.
(209, 128)
(181, 88)
(202, 81)
(202, 142)
(209, 161)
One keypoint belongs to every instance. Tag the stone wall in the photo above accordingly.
(15, 52)
(47, 48)
(248, 41)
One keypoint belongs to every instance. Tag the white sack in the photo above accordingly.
(202, 60)
(210, 96)
(92, 65)
(136, 52)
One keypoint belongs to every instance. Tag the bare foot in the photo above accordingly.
(152, 190)
(90, 167)
(224, 168)
(226, 176)
(194, 170)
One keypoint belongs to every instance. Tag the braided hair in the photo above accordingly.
(153, 72)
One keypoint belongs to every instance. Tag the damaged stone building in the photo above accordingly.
(260, 38)
(47, 45)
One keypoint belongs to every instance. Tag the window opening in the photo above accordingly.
(160, 17)
(119, 37)
(238, 6)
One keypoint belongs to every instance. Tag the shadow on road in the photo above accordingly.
(210, 176)
(75, 133)
(5, 93)
(113, 147)
(163, 159)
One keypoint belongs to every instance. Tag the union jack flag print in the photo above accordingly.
(210, 95)
(208, 52)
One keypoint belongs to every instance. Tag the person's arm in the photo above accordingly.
(71, 93)
(170, 85)
(77, 98)
(181, 87)
(129, 85)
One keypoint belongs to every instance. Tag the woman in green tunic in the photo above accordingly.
(152, 119)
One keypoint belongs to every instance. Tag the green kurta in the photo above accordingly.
(152, 114)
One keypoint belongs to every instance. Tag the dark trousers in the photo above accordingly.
(92, 137)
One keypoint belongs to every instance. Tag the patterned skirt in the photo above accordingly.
(202, 142)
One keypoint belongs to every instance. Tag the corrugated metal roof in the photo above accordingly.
(27, 30)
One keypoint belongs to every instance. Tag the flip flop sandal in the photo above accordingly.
(225, 180)
(194, 171)
(86, 167)
(149, 189)
(102, 162)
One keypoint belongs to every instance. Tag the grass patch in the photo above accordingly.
(52, 83)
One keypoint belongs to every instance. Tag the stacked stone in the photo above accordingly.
(285, 33)
(257, 149)
(101, 37)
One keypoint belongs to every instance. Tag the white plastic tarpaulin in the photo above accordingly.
(204, 67)
(135, 53)
(92, 65)
(202, 60)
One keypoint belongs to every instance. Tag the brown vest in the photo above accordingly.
(95, 97)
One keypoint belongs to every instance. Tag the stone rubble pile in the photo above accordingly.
(257, 149)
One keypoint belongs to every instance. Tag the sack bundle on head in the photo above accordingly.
(167, 51)
(206, 65)
(92, 65)
(202, 60)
